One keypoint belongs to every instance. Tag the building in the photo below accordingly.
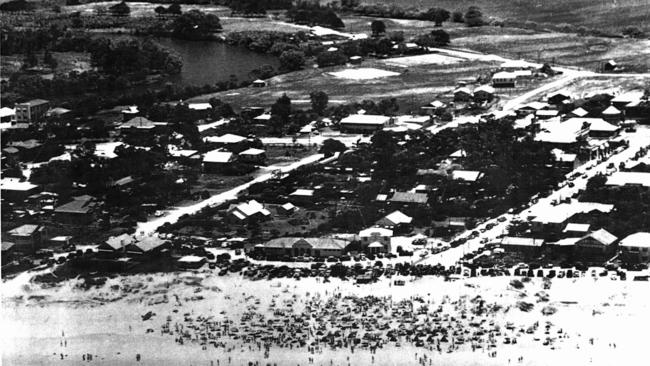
(468, 176)
(553, 219)
(578, 112)
(287, 209)
(17, 190)
(80, 211)
(526, 246)
(484, 93)
(27, 238)
(364, 123)
(140, 125)
(463, 95)
(248, 211)
(596, 246)
(504, 79)
(376, 239)
(228, 139)
(558, 98)
(191, 262)
(253, 156)
(115, 244)
(150, 245)
(612, 114)
(59, 115)
(565, 161)
(576, 229)
(310, 247)
(532, 108)
(8, 251)
(258, 83)
(635, 248)
(409, 198)
(302, 196)
(629, 179)
(394, 220)
(7, 115)
(218, 161)
(32, 111)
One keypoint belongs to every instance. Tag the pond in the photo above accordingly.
(207, 62)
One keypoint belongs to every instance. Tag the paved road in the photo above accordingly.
(172, 216)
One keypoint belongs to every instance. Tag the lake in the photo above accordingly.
(207, 62)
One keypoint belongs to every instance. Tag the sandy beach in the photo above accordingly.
(596, 320)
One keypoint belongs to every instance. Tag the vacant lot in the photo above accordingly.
(561, 48)
(601, 14)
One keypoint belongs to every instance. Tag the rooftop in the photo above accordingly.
(375, 231)
(638, 240)
(218, 156)
(408, 197)
(225, 139)
(25, 230)
(397, 217)
(252, 151)
(15, 184)
(629, 178)
(315, 243)
(367, 119)
(529, 242)
(562, 212)
(466, 175)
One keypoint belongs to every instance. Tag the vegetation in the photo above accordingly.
(305, 12)
(195, 25)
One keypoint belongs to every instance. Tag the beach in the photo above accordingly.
(595, 321)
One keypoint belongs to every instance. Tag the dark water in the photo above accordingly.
(206, 62)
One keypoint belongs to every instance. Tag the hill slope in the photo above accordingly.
(603, 14)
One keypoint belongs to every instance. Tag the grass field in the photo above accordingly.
(415, 84)
(603, 14)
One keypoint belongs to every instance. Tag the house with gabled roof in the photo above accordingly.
(311, 247)
(595, 246)
(81, 210)
(248, 211)
(216, 161)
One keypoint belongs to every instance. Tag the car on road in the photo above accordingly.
(501, 219)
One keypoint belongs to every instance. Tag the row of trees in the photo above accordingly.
(308, 12)
(472, 17)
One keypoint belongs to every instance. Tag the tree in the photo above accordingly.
(331, 146)
(319, 101)
(436, 38)
(292, 60)
(49, 60)
(175, 9)
(331, 58)
(120, 9)
(437, 15)
(457, 17)
(195, 24)
(378, 27)
(474, 17)
(282, 108)
(633, 32)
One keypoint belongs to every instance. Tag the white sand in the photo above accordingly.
(103, 328)
(364, 73)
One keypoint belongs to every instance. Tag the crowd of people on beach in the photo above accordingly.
(316, 323)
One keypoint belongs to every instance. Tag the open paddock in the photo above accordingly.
(428, 59)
